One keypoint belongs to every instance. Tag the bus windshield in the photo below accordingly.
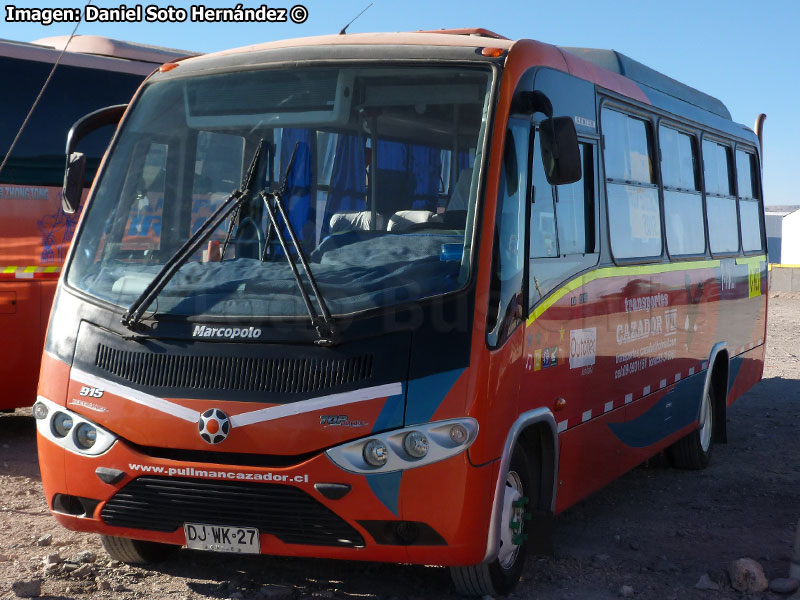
(381, 194)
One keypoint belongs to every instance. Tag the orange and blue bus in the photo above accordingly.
(409, 297)
(34, 231)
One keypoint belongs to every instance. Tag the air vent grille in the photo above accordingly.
(253, 374)
(287, 512)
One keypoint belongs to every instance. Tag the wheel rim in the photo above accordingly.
(513, 520)
(706, 424)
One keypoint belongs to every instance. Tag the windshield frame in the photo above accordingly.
(494, 70)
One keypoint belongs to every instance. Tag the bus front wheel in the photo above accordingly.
(136, 552)
(498, 577)
(693, 452)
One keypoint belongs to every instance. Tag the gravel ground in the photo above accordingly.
(656, 530)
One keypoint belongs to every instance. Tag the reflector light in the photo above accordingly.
(459, 434)
(40, 410)
(168, 67)
(492, 52)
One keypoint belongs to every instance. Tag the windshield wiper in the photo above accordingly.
(325, 329)
(232, 203)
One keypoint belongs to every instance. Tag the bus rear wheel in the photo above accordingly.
(693, 452)
(498, 577)
(136, 552)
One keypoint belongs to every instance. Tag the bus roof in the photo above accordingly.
(617, 62)
(607, 68)
(103, 46)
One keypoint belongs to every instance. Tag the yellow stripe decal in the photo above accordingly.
(608, 272)
(751, 260)
(30, 270)
(9, 270)
(52, 269)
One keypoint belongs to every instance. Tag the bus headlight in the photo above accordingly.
(406, 448)
(70, 430)
(376, 453)
(416, 444)
(85, 436)
(62, 424)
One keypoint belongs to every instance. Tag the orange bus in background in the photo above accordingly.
(34, 231)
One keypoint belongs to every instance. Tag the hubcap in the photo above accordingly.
(513, 520)
(706, 423)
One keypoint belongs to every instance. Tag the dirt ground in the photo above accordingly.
(656, 529)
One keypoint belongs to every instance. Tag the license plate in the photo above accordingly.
(218, 538)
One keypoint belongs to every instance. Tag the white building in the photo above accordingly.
(783, 234)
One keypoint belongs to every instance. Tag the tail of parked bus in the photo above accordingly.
(34, 230)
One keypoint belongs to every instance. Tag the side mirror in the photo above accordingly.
(75, 168)
(561, 154)
(73, 182)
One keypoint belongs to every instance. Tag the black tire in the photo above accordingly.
(693, 452)
(136, 552)
(494, 578)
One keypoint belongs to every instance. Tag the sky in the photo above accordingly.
(742, 52)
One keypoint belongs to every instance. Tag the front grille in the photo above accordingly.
(288, 513)
(236, 373)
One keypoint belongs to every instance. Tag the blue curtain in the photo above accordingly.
(298, 204)
(348, 188)
(423, 162)
(426, 165)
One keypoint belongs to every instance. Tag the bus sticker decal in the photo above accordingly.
(386, 487)
(249, 418)
(754, 280)
(582, 347)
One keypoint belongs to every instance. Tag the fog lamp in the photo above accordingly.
(416, 444)
(40, 411)
(85, 436)
(459, 434)
(62, 424)
(376, 453)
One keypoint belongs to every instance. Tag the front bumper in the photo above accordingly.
(450, 498)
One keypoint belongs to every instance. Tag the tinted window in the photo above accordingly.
(746, 174)
(749, 206)
(509, 255)
(678, 159)
(750, 213)
(723, 230)
(683, 203)
(633, 209)
(627, 148)
(683, 217)
(716, 168)
(38, 157)
(544, 242)
(571, 210)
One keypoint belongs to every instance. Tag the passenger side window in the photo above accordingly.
(562, 225)
(749, 200)
(506, 300)
(723, 227)
(683, 201)
(633, 207)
